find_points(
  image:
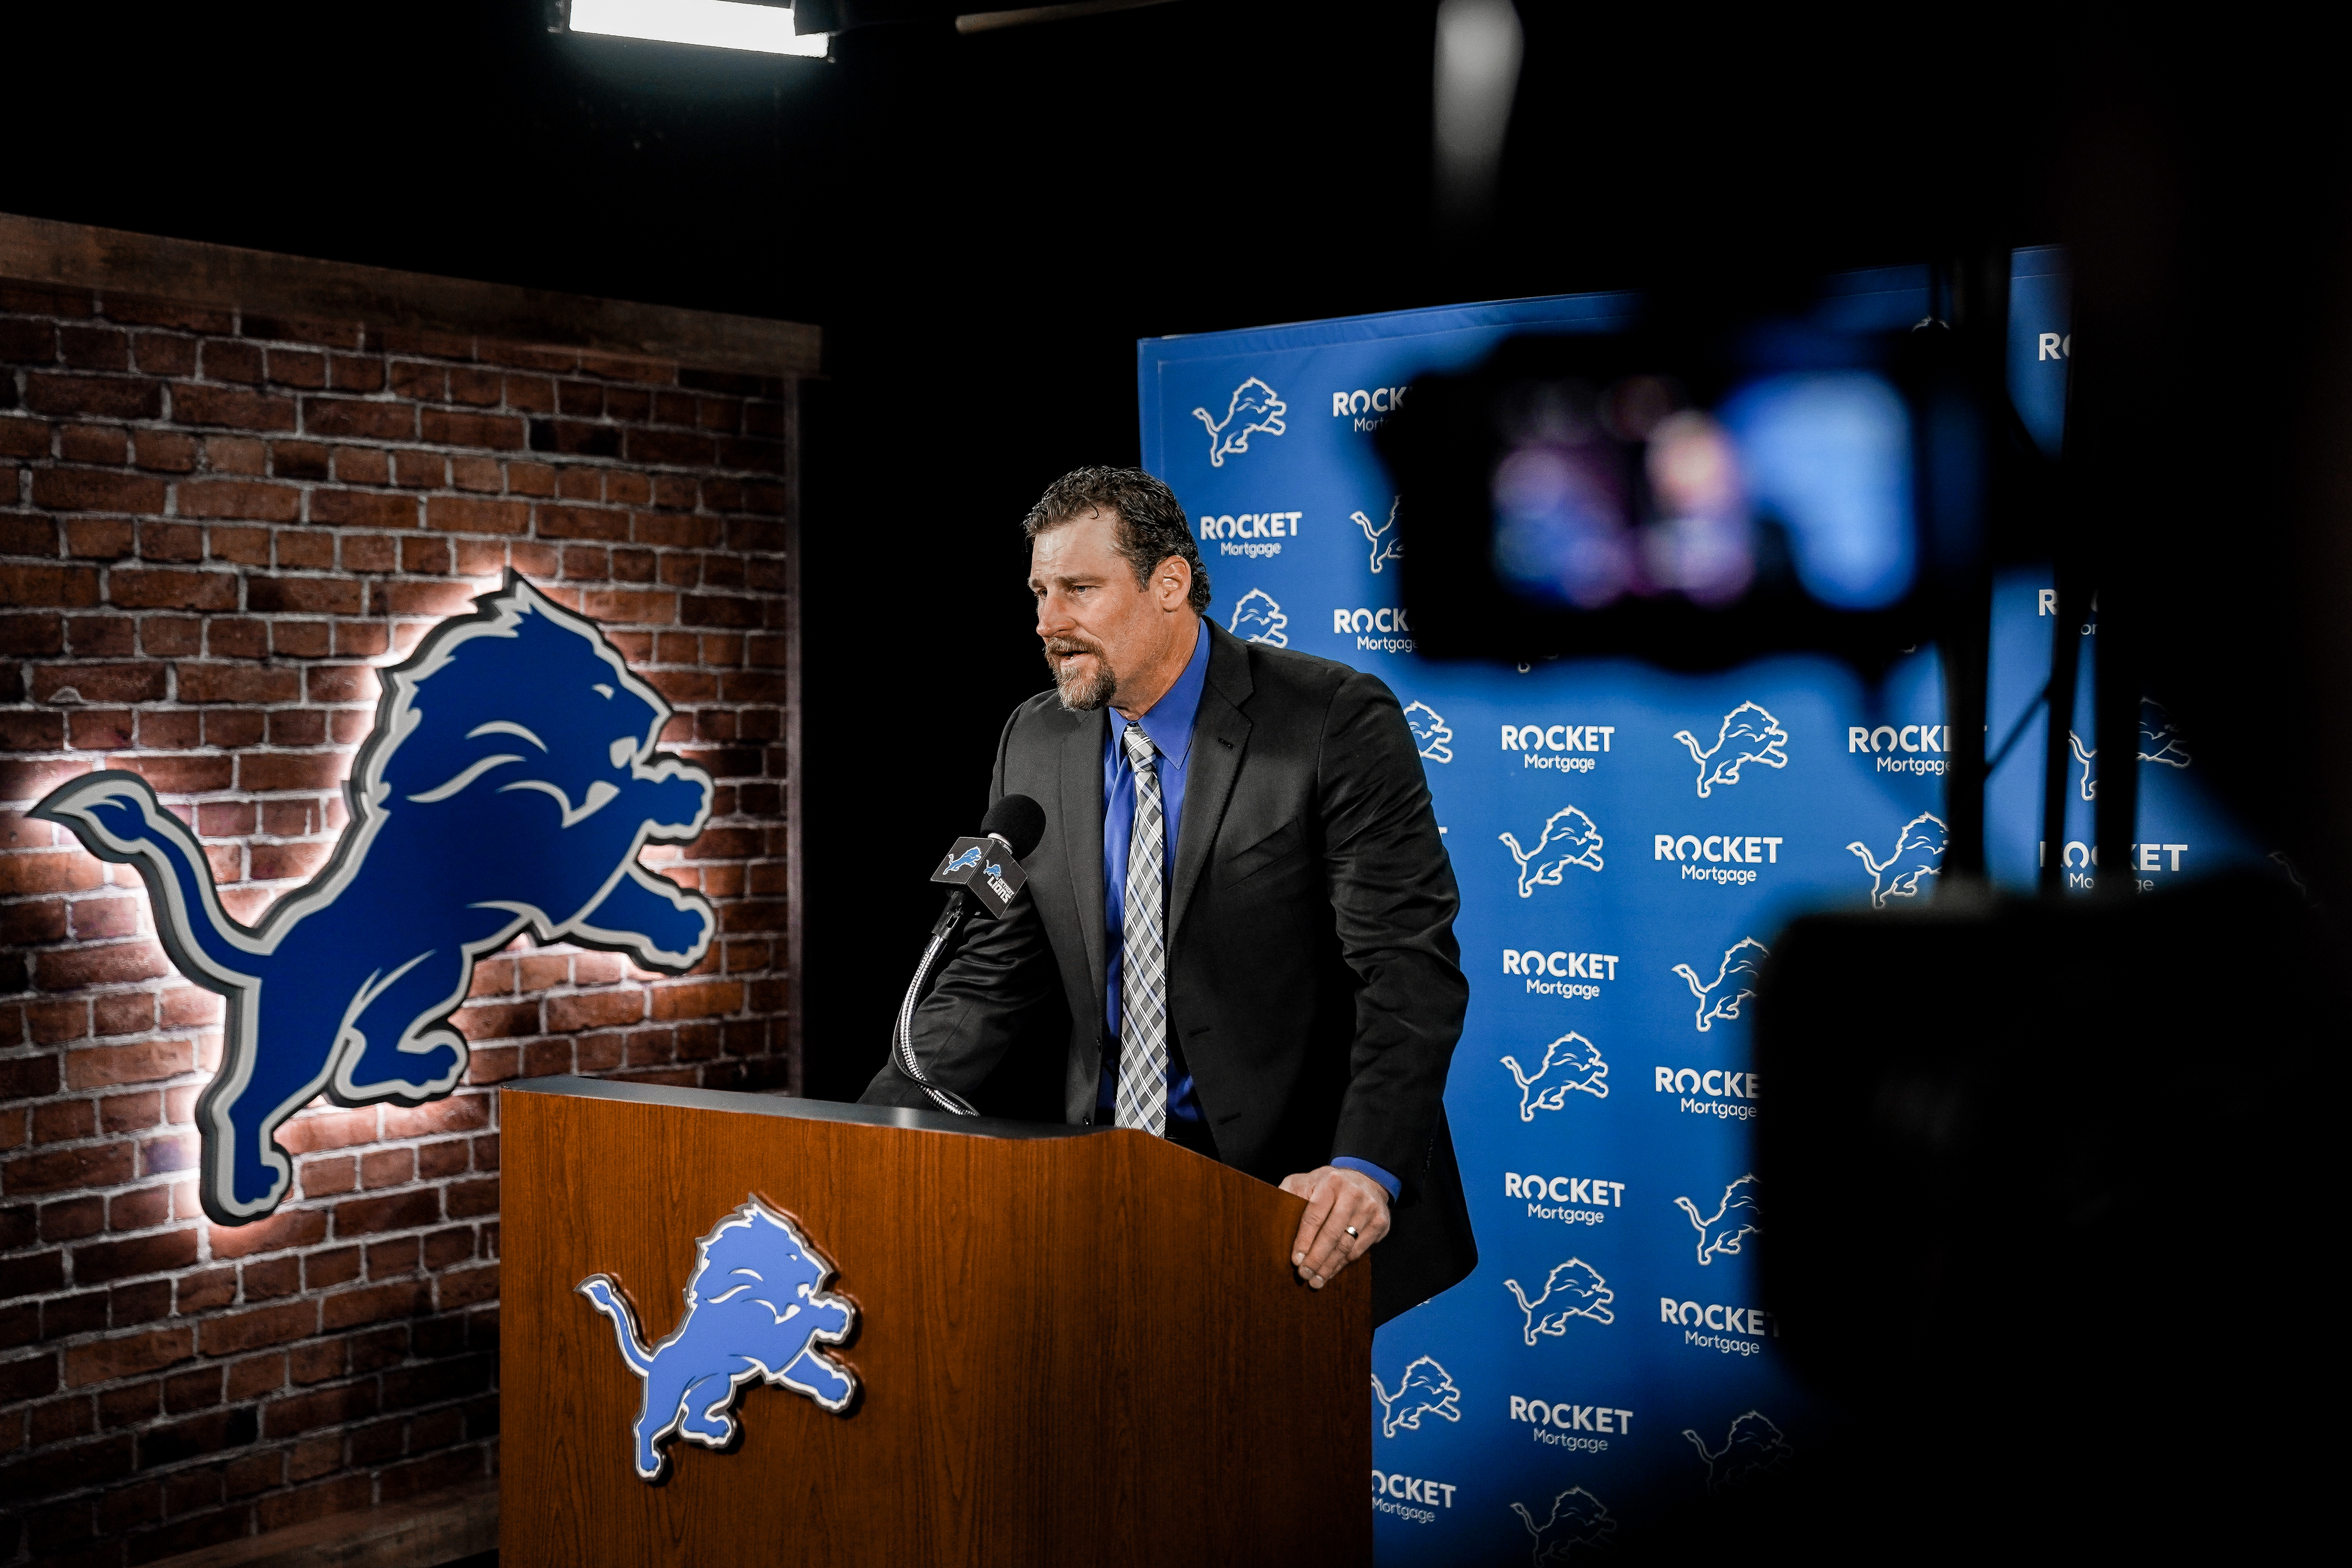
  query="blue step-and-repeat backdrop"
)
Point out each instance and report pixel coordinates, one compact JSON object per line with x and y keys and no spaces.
{"x":1627,"y":843}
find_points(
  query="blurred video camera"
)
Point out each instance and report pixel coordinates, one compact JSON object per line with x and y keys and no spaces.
{"x":1978,"y":1099}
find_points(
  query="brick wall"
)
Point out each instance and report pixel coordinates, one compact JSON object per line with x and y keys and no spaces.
{"x":214,"y":525}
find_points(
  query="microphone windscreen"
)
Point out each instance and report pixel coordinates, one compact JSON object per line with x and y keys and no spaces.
{"x":1019,"y":820}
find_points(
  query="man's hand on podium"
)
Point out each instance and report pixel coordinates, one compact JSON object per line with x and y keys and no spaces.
{"x":1336,"y":1199}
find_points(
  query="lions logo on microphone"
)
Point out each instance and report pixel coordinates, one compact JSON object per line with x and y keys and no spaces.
{"x":508,"y":786}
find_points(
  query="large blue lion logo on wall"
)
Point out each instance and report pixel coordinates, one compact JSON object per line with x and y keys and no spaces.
{"x":756,"y":1310}
{"x":508,"y":786}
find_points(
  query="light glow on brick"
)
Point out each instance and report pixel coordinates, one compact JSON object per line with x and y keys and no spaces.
{"x":713,"y":24}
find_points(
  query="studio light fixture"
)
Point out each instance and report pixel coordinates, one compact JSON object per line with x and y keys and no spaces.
{"x":1030,"y":16}
{"x":767,"y":26}
{"x":1478,"y":47}
{"x":713,"y":23}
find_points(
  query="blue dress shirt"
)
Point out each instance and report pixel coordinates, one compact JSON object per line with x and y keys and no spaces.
{"x":1169,"y":723}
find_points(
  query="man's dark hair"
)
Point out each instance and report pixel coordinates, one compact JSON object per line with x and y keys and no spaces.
{"x":1151,"y":523}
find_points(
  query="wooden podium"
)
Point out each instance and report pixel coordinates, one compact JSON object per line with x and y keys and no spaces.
{"x":1072,"y":1345}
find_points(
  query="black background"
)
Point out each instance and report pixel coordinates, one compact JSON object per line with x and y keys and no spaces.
{"x":984,"y":226}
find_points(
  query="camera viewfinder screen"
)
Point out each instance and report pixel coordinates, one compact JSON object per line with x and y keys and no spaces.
{"x":1630,"y":488}
{"x":1693,"y":498}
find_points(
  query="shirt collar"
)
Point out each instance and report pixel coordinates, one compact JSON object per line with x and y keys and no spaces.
{"x":1169,"y":722}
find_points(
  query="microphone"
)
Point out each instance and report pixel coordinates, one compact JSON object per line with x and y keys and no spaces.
{"x":988,"y":867}
{"x":985,"y":872}
{"x":1016,"y":821}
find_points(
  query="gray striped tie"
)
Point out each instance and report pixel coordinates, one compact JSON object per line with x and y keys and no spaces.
{"x":1144,"y":980}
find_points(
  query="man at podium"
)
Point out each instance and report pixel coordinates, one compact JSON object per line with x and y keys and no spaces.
{"x":1238,"y":928}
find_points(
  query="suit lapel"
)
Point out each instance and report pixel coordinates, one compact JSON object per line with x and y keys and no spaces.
{"x":1082,"y":824}
{"x":1220,"y":737}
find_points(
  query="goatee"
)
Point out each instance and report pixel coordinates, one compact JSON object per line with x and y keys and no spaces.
{"x":1079,"y":694}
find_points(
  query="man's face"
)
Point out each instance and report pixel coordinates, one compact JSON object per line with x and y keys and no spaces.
{"x":1093,"y":616}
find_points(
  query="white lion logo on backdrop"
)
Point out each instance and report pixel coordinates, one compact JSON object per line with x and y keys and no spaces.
{"x":1257,"y":618}
{"x":1425,"y":1389}
{"x":1738,"y":1215}
{"x":1754,"y":1446}
{"x":1255,"y":406}
{"x":1574,"y":1290}
{"x":1749,"y":734}
{"x":1430,"y":738}
{"x":1735,"y":981}
{"x":1569,"y":838}
{"x":1577,"y":1518}
{"x":2159,"y":741}
{"x":1382,"y":536}
{"x":1570,"y":1063}
{"x":1918,"y":854}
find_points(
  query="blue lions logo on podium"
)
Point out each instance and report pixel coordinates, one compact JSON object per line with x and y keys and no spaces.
{"x":756,"y":1310}
{"x":510,"y":783}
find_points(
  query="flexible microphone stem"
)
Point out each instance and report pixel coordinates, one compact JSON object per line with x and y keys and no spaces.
{"x":943,"y":933}
{"x":1014,"y":823}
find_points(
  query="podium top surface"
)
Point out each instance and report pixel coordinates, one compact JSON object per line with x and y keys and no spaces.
{"x":735,"y":1102}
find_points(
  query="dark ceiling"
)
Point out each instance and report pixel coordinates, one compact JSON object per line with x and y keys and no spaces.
{"x":983,"y":225}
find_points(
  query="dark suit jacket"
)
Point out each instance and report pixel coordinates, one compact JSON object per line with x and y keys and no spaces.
{"x":1314,"y":985}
